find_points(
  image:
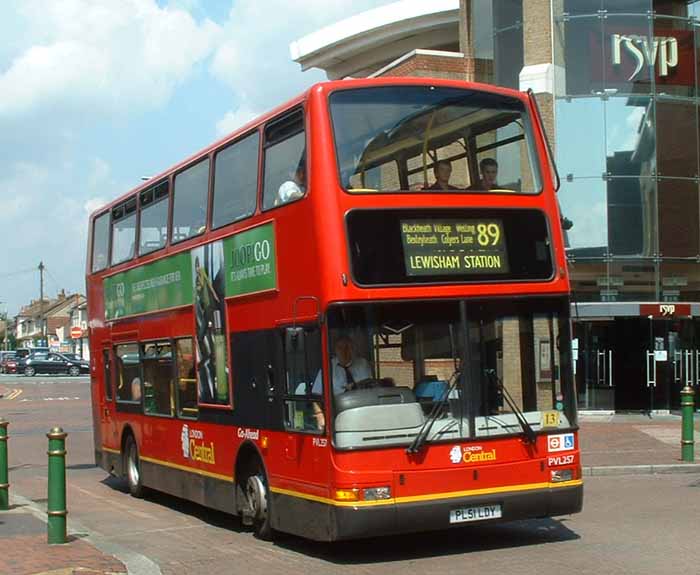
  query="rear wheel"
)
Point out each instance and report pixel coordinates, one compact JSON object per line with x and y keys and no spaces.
{"x":29,"y":370}
{"x":256,"y":501}
{"x":132,"y":467}
{"x":74,"y":370}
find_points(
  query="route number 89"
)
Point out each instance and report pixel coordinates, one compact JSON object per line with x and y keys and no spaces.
{"x":488,"y":234}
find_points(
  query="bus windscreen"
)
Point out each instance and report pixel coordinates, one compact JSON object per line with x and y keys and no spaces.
{"x":433,"y":139}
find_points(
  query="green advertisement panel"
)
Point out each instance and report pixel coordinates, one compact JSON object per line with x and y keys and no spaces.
{"x":251,"y":261}
{"x":160,"y":285}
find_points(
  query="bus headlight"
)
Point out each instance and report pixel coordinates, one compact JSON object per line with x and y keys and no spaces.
{"x":376,"y":493}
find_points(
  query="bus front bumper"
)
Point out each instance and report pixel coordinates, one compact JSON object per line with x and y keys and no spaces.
{"x":405,"y":517}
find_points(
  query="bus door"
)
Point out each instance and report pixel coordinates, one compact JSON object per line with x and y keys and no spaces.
{"x":306,"y":441}
{"x":107,"y":428}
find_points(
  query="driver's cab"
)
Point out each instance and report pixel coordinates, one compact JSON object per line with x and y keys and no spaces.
{"x":443,"y":370}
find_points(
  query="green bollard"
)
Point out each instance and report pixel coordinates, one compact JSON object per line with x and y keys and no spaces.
{"x":4,"y":477}
{"x":687,"y":443}
{"x":57,"y":486}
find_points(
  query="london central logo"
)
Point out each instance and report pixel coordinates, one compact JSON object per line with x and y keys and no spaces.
{"x":661,"y":50}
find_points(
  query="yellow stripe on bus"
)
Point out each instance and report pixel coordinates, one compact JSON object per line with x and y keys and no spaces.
{"x":392,"y":501}
{"x":228,"y":478}
{"x":429,"y":496}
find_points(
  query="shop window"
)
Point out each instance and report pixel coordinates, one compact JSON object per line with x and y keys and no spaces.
{"x":124,"y":231}
{"x":679,"y":220}
{"x":157,"y":366}
{"x":632,"y":216}
{"x":581,"y":40}
{"x":128,"y":372}
{"x":580,"y":157}
{"x":630,"y":137}
{"x":590,"y":280}
{"x":236,"y":181}
{"x":153,"y":227}
{"x":100,"y":242}
{"x":190,"y":201}
{"x":680,"y":280}
{"x":585,"y":203}
{"x":677,"y":137}
{"x":634,"y":280}
{"x":626,"y":55}
{"x":186,"y":378}
{"x":576,"y":7}
{"x":675,"y":66}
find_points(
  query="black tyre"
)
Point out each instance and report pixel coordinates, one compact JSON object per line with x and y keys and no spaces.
{"x":29,"y":371}
{"x":132,"y":467}
{"x":74,"y":370}
{"x":256,"y":502}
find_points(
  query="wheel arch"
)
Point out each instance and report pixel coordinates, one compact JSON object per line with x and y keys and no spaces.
{"x":247,"y":454}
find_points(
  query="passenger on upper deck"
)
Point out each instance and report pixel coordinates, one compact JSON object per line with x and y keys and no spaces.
{"x":296,"y":187}
{"x":348,"y":370}
{"x":442,"y":170}
{"x":489,"y":172}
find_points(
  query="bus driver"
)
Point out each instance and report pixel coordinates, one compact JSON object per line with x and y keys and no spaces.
{"x":347,"y":368}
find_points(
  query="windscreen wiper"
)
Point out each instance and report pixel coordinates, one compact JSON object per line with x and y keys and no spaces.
{"x":435,"y":412}
{"x":519,"y":415}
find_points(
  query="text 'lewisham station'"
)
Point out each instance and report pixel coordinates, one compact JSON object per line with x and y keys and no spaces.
{"x":454,"y":247}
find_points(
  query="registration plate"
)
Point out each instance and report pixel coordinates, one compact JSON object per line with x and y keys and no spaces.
{"x":480,"y":513}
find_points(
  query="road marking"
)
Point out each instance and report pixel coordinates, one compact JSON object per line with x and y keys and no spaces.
{"x":15,"y":393}
{"x":52,"y":399}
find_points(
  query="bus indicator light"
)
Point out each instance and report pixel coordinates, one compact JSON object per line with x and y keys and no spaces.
{"x":347,"y":494}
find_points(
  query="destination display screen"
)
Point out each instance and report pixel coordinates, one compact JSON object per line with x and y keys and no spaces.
{"x":399,"y":246}
{"x":454,"y":247}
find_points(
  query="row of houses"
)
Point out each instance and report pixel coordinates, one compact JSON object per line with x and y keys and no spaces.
{"x":59,"y":323}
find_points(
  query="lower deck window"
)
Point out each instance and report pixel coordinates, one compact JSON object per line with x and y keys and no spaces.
{"x":128,"y":372}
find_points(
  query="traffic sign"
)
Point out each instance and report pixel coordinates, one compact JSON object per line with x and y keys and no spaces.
{"x":76,"y":332}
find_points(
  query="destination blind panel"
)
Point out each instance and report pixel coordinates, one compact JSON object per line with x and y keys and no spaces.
{"x":454,"y":247}
{"x":440,"y":246}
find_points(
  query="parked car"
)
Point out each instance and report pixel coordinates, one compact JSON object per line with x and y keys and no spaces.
{"x":52,"y":363}
{"x":23,"y":352}
{"x":8,"y":363}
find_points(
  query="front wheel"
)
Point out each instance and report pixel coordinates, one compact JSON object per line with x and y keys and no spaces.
{"x":256,"y":504}
{"x":132,"y":466}
{"x":29,"y":371}
{"x":74,"y":370}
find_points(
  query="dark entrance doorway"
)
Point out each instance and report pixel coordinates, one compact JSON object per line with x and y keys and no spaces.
{"x":635,"y":363}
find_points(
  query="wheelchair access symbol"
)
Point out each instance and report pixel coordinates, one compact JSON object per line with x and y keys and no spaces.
{"x":560,"y":442}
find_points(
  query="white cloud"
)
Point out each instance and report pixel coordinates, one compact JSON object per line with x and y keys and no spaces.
{"x":103,"y":55}
{"x":254,"y":56}
{"x":234,"y":119}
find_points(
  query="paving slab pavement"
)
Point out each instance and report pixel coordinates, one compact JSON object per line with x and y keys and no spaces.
{"x":26,"y":551}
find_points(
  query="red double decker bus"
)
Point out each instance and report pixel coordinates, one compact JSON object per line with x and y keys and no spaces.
{"x":348,"y":318}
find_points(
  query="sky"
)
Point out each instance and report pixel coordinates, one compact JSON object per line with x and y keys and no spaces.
{"x":96,"y":94}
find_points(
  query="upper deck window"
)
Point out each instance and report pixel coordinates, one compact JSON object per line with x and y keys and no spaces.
{"x":100,"y":242}
{"x":236,"y":181}
{"x":124,"y":231}
{"x":285,"y":161}
{"x":426,"y":138}
{"x":153,"y":230}
{"x":191,"y":192}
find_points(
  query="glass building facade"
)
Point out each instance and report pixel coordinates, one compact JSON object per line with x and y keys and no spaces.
{"x":625,"y":104}
{"x":627,"y":147}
